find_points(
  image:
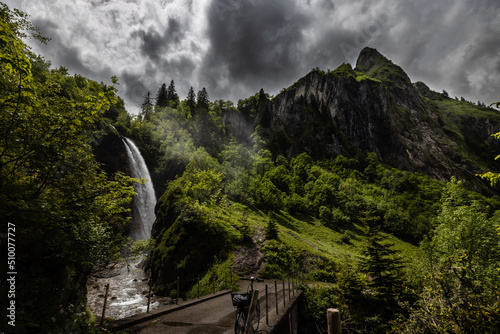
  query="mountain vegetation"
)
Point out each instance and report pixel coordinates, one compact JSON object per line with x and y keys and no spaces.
{"x":356,"y":179}
{"x":368,"y":230}
{"x":347,"y":176}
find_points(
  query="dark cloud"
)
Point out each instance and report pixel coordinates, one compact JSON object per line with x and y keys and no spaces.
{"x":452,"y":46}
{"x":46,"y":27}
{"x":156,"y":44}
{"x":135,"y":90}
{"x":257,"y":43}
{"x":153,"y":43}
{"x":235,"y":47}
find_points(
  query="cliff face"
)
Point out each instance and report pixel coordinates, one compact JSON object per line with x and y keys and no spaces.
{"x":111,"y":153}
{"x":376,"y":108}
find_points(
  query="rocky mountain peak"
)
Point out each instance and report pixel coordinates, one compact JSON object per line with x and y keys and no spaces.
{"x":375,"y":65}
{"x":369,"y":57}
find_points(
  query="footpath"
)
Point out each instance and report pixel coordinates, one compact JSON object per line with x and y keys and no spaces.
{"x":212,"y":314}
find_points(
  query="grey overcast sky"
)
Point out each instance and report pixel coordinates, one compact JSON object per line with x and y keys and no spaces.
{"x":235,"y":47}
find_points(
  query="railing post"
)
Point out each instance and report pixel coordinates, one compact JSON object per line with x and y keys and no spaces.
{"x":149,"y":295}
{"x":177,"y":296}
{"x":333,"y":320}
{"x":198,"y":286}
{"x":289,"y":293}
{"x":276,"y":295}
{"x":267,"y":308}
{"x":284,"y":294}
{"x":104,"y":306}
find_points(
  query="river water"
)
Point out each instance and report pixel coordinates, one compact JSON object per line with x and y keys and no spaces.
{"x":127,"y":295}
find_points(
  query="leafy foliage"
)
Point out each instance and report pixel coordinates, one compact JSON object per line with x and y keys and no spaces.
{"x":68,"y":213}
{"x":460,"y":290}
{"x":492,"y":177}
{"x":282,"y":260}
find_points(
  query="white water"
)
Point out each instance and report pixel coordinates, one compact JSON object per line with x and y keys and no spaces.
{"x":128,"y":290}
{"x":143,"y":215}
{"x":127,"y":295}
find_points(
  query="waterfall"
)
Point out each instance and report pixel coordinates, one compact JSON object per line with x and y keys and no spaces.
{"x":128,"y":285}
{"x":144,"y":202}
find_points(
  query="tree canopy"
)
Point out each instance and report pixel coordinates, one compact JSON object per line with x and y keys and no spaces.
{"x":67,"y":212}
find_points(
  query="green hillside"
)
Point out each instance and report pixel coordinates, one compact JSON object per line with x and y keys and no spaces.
{"x":328,"y":215}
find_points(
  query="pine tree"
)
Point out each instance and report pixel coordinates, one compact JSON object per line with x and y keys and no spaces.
{"x":246,"y":230}
{"x":162,"y":96}
{"x":147,"y":106}
{"x":202,"y":100}
{"x":382,"y":263}
{"x":384,"y":269}
{"x":191,"y":100}
{"x":172,"y":97}
{"x":271,"y":230}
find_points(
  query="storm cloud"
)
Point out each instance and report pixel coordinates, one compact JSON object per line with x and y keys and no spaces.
{"x":235,"y":47}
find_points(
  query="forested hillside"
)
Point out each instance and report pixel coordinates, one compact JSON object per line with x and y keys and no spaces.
{"x":388,"y":242}
{"x":358,"y":179}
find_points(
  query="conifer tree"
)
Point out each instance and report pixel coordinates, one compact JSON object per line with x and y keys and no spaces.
{"x":191,"y":100}
{"x":172,"y":97}
{"x":246,"y":230}
{"x":382,"y":263}
{"x":162,"y":96}
{"x":384,"y":269}
{"x":147,"y":106}
{"x":202,"y":100}
{"x":271,"y":230}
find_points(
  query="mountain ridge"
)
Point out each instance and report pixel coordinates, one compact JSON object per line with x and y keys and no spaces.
{"x":375,"y":107}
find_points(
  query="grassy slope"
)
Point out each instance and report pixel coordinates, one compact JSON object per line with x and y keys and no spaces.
{"x":310,"y":236}
{"x":458,"y":118}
